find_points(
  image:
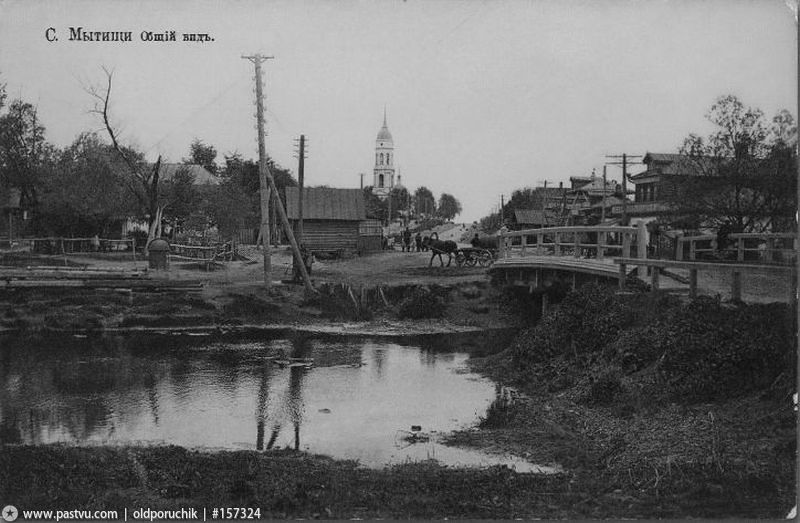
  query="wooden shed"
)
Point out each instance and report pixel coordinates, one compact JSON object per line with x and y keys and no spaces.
{"x":331,"y":217}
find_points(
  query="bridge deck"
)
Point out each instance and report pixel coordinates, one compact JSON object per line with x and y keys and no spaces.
{"x":604,"y":267}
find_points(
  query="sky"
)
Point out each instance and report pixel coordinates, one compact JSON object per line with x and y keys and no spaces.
{"x":482,"y":97}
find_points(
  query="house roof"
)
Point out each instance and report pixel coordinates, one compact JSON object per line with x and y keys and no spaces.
{"x":595,"y":188}
{"x":609,"y":201}
{"x":675,"y":164}
{"x":202,"y":176}
{"x":534,"y":217}
{"x":325,"y":203}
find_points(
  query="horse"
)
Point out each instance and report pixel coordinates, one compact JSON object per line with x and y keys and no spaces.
{"x":439,"y":247}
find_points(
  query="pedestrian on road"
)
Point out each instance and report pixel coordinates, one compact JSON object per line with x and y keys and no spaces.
{"x":418,"y":241}
{"x":406,"y":240}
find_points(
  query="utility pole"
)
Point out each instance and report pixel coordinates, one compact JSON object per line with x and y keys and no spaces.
{"x":362,"y":180}
{"x":264,"y":188}
{"x":603,"y":208}
{"x":301,"y":156}
{"x":624,"y":164}
{"x":502,"y":211}
{"x":266,"y":182}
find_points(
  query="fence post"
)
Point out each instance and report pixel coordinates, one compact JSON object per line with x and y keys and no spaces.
{"x":576,"y":239}
{"x":622,"y":275}
{"x":693,"y":283}
{"x":539,"y":240}
{"x":502,"y":245}
{"x":523,"y":243}
{"x":692,"y":251}
{"x":740,"y":249}
{"x":626,"y":244}
{"x":558,"y":244}
{"x":653,"y":277}
{"x":679,"y":249}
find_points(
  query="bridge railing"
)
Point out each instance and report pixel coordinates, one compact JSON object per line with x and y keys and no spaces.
{"x":770,"y":248}
{"x":579,"y":242}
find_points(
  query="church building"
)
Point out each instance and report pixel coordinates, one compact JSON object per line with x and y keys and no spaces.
{"x":383,"y":173}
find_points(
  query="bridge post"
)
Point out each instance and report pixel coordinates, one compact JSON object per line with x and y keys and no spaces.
{"x":539,"y":241}
{"x":576,"y":239}
{"x":654,"y":277}
{"x":524,"y":243}
{"x":557,"y":251}
{"x":641,"y":248}
{"x":736,"y":286}
{"x":601,"y":240}
{"x":626,"y":244}
{"x":693,"y":283}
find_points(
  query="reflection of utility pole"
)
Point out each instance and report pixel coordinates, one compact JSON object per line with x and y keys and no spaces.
{"x":624,"y":164}
{"x":257,"y":59}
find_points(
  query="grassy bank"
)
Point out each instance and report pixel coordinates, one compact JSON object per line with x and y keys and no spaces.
{"x":471,"y":304}
{"x":682,"y":407}
{"x":283,"y":484}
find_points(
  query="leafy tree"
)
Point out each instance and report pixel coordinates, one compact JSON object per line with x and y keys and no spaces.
{"x":424,"y":201}
{"x":179,"y":197}
{"x":375,"y":208}
{"x":202,"y":154}
{"x":24,"y":153}
{"x":449,"y":207}
{"x":400,"y":201}
{"x":84,"y":194}
{"x":745,"y":172}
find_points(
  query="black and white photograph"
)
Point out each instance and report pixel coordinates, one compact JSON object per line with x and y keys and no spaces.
{"x":398,"y":259}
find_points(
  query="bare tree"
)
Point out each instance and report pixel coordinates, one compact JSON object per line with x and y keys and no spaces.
{"x":143,"y":179}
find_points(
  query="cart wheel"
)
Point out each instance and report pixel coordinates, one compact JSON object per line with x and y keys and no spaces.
{"x":485,"y":259}
{"x":460,"y":259}
{"x":472,"y":261}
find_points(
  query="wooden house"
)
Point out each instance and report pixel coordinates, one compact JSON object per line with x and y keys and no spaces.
{"x":331,"y":217}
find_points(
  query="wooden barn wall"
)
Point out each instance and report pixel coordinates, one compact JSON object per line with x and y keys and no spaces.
{"x":330,"y":235}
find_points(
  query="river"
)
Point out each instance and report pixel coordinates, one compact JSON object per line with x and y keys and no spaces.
{"x":377,"y":401}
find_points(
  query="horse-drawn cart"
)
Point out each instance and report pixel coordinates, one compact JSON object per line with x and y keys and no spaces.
{"x":471,"y":256}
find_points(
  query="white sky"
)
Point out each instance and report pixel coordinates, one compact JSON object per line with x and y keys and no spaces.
{"x":483,"y":97}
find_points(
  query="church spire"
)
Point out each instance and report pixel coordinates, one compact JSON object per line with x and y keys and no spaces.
{"x":384,"y":115}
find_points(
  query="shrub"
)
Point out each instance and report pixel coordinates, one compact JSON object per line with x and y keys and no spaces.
{"x":422,"y":303}
{"x":605,"y":388}
{"x":714,"y":351}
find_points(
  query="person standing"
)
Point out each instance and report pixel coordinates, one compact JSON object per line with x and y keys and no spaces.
{"x":418,"y":241}
{"x":406,"y":240}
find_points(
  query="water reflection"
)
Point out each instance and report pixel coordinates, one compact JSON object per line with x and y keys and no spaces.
{"x":218,"y":394}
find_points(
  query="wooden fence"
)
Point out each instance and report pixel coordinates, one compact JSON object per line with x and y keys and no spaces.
{"x":766,"y":248}
{"x":579,"y":242}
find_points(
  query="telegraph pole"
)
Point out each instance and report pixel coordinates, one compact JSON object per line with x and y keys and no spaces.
{"x":264,"y":188}
{"x":266,"y":182}
{"x":301,"y":156}
{"x":603,"y":208}
{"x":624,"y":164}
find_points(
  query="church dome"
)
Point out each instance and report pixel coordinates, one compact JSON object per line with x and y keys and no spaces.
{"x":384,"y":135}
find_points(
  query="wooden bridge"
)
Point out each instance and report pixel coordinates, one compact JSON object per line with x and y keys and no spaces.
{"x":558,"y":257}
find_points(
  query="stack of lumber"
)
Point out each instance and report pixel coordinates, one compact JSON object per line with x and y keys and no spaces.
{"x":90,"y":278}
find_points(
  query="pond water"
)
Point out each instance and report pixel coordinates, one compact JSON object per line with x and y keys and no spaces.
{"x":359,"y":399}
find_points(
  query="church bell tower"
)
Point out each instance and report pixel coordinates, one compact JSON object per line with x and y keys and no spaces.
{"x":383,"y":172}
